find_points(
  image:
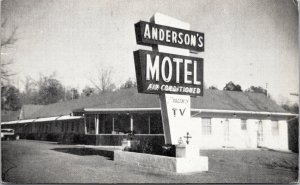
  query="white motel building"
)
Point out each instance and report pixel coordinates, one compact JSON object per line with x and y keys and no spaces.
{"x":221,"y":119}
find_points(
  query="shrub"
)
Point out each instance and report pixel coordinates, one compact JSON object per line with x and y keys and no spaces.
{"x":169,"y":150}
{"x":153,"y":148}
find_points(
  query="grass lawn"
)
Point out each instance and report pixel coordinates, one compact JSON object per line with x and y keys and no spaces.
{"x":27,"y":161}
{"x":263,"y":158}
{"x":264,"y":166}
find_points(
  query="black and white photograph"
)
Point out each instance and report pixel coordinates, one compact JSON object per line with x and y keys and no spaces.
{"x":149,"y":91}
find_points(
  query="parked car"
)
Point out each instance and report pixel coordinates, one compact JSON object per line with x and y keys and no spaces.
{"x":8,"y":134}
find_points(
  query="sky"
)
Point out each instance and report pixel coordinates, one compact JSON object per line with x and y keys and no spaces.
{"x":249,"y":42}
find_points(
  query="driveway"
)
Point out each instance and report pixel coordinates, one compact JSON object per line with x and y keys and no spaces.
{"x":26,"y":161}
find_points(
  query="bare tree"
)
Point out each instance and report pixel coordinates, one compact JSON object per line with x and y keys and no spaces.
{"x":6,"y":42}
{"x":103,"y":82}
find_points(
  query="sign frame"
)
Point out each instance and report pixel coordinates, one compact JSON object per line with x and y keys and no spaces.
{"x":140,"y":31}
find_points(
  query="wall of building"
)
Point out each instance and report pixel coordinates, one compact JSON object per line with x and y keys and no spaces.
{"x":277,"y":141}
{"x":234,"y":136}
{"x":147,"y":125}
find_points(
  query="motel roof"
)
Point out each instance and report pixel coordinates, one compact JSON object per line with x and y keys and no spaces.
{"x":130,"y":99}
{"x":38,"y":120}
{"x":29,"y":109}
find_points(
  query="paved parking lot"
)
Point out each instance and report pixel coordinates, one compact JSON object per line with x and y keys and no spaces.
{"x":27,"y":161}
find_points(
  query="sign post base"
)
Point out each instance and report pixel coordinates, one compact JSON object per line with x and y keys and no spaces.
{"x":188,"y":159}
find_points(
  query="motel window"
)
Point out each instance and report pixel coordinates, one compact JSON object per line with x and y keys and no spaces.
{"x":156,"y":125}
{"x":105,"y":124}
{"x":90,"y":123}
{"x":45,"y":127}
{"x":275,"y":128}
{"x":48,"y":127}
{"x":51,"y":127}
{"x":244,"y":124}
{"x":73,"y":126}
{"x":141,"y":123}
{"x":122,"y":123}
{"x":70,"y":126}
{"x":206,"y":126}
{"x":67,"y":126}
{"x":25,"y":127}
{"x":62,"y":126}
{"x":77,"y":125}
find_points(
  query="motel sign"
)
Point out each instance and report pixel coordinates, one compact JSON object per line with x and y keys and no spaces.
{"x":154,"y":34}
{"x":169,"y":71}
{"x":158,"y":72}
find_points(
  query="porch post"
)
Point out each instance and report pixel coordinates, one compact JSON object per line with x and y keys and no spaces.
{"x":97,"y":124}
{"x":113,"y":124}
{"x":149,"y":128}
{"x":84,"y":124}
{"x":131,"y":122}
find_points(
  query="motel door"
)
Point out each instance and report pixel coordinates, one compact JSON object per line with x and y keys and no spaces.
{"x":259,"y":134}
{"x":226,"y":133}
